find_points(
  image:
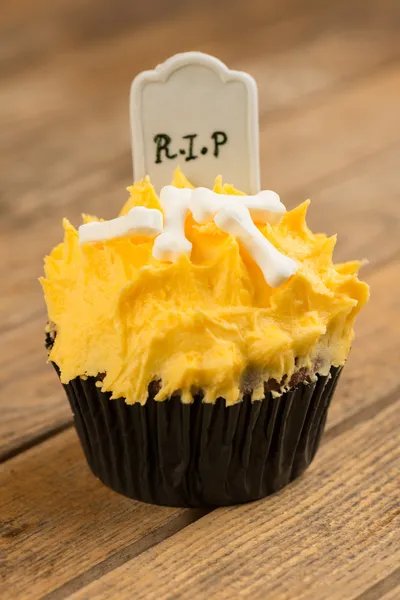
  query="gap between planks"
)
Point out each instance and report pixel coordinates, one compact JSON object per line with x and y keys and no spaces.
{"x":41,"y":437}
{"x":315,"y":98}
{"x":379,"y":590}
{"x":127,"y":553}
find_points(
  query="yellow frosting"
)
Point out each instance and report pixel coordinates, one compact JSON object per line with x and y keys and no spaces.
{"x":208,"y":322}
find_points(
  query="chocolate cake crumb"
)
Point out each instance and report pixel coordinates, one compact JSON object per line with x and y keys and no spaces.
{"x":197,"y":393}
{"x":300,"y":376}
{"x":51,"y":334}
{"x":250,"y":380}
{"x":154,"y":387}
{"x":272,"y":385}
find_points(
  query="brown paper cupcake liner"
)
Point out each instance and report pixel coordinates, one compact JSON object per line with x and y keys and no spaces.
{"x":200,"y":454}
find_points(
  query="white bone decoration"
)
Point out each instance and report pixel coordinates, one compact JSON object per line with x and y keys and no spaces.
{"x":172,"y":242}
{"x":275,"y":266}
{"x":139,"y":221}
{"x":235,"y":215}
{"x":264,"y":207}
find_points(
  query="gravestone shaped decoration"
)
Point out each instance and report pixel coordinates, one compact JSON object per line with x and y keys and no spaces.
{"x":194,"y":112}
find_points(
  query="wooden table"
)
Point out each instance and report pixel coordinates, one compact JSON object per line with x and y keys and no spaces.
{"x":329,"y":81}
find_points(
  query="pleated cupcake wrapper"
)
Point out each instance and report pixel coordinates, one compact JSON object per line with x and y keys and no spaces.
{"x":200,"y":454}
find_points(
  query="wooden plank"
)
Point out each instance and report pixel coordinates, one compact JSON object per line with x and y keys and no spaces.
{"x":58,"y":520}
{"x":330,"y":535}
{"x":362,"y":206}
{"x":318,"y":65}
{"x":56,"y":28}
{"x":319,"y":141}
{"x":391,"y":595}
{"x":33,"y":402}
{"x":71,"y":24}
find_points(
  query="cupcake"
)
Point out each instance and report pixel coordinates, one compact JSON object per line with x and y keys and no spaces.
{"x":199,"y":337}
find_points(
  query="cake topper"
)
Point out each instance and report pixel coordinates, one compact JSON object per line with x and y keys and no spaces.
{"x":195,"y":112}
{"x":172,"y":242}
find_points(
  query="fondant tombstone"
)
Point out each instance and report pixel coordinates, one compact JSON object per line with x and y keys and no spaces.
{"x":194,"y":112}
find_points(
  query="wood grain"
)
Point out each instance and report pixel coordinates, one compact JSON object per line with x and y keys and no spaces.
{"x":363,"y":208}
{"x":58,"y":520}
{"x":348,"y":126}
{"x":74,"y":25}
{"x":331,"y":534}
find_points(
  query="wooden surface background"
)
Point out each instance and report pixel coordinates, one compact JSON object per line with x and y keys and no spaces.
{"x":329,"y":81}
